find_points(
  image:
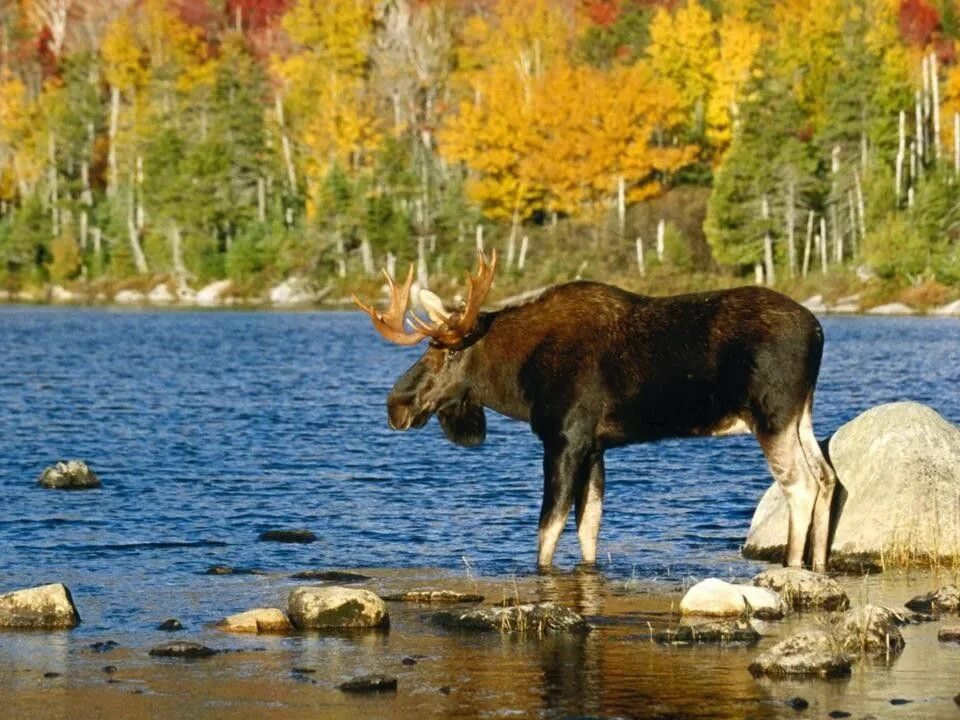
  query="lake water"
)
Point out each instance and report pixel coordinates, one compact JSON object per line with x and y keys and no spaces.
{"x":208,"y":428}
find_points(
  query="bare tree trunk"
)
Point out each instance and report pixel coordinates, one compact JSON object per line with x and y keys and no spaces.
{"x":861,"y":207}
{"x":176,"y":253}
{"x":285,"y":144}
{"x":261,"y":200}
{"x":54,"y":185}
{"x":823,"y":245}
{"x":422,"y":275}
{"x":641,"y":263}
{"x":97,"y":236}
{"x":512,"y":239}
{"x":524,"y":245}
{"x":920,"y":142}
{"x":661,"y":239}
{"x":769,"y":271}
{"x":621,"y":207}
{"x":139,"y":259}
{"x":479,"y":237}
{"x":807,"y":245}
{"x":113,"y":180}
{"x":391,"y":264}
{"x":791,"y":230}
{"x":935,"y":101}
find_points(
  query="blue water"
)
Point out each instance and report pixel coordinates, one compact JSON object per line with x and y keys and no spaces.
{"x":208,"y":428}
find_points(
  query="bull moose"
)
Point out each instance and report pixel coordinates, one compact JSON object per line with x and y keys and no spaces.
{"x":592,"y":367}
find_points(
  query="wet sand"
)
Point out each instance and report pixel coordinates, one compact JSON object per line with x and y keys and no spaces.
{"x":613,"y":671}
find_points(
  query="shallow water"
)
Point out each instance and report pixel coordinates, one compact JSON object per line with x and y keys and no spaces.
{"x":208,"y":428}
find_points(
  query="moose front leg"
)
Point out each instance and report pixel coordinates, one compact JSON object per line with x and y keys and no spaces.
{"x":563,"y":462}
{"x":589,"y":505}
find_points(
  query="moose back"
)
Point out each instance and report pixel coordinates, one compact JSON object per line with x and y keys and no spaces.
{"x":592,"y":367}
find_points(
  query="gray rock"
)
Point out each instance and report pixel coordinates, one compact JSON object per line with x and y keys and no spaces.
{"x":532,"y":618}
{"x":434,"y":596}
{"x":949,"y":634}
{"x":70,"y":475}
{"x":370,"y":684}
{"x":48,"y":607}
{"x":899,"y":468}
{"x":336,"y":607}
{"x":941,"y":600}
{"x":288,"y":536}
{"x":170,"y":625}
{"x":869,"y":630}
{"x":803,"y":589}
{"x":182,"y":650}
{"x":718,"y":632}
{"x":815,"y":653}
{"x":258,"y":620}
{"x":331,"y":576}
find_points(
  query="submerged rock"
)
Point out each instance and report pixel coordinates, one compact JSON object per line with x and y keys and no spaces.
{"x":949,"y":634}
{"x":370,"y":684}
{"x":870,"y":630}
{"x":258,"y":620}
{"x":47,"y":607}
{"x":899,"y":471}
{"x":803,"y":589}
{"x":331,"y":576}
{"x":941,"y":600}
{"x":717,"y":598}
{"x":336,"y":607}
{"x":434,"y":596}
{"x":230,"y":570}
{"x":814,"y":653}
{"x":170,"y":625}
{"x":183,"y":650}
{"x":70,"y":475}
{"x":288,"y":536}
{"x":720,"y":632}
{"x":533,"y":618}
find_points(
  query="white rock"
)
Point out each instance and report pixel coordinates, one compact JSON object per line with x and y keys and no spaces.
{"x":161,"y":295}
{"x":48,"y":607}
{"x":763,"y":602}
{"x":815,"y":304}
{"x":846,"y":305}
{"x":336,"y":607}
{"x":186,"y":296}
{"x":258,"y":620}
{"x":212,"y":294}
{"x":949,"y":309}
{"x":714,"y":598}
{"x":892,"y":309}
{"x":61,"y":294}
{"x":292,"y":291}
{"x":129,"y":297}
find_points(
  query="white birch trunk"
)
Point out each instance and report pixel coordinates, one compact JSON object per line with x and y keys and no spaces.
{"x":621,"y":206}
{"x":139,"y":259}
{"x":807,"y":245}
{"x":285,"y":144}
{"x":479,"y":238}
{"x":935,"y":101}
{"x":641,"y":263}
{"x":422,"y":274}
{"x":366,"y":255}
{"x":524,"y":245}
{"x":791,"y":230}
{"x":661,"y":238}
{"x":823,"y":245}
{"x":113,"y":178}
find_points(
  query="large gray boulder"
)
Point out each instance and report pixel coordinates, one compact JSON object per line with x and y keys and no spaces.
{"x":899,"y":471}
{"x":48,"y":607}
{"x":336,"y":607}
{"x":813,"y":654}
{"x":869,"y":630}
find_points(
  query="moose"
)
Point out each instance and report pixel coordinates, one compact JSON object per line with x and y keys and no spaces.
{"x":591,"y":367}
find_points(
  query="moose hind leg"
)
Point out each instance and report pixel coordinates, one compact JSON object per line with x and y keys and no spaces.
{"x":787,"y":463}
{"x":589,"y":505}
{"x":826,"y":479}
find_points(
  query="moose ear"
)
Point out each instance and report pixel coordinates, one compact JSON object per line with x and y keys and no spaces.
{"x":464,"y":424}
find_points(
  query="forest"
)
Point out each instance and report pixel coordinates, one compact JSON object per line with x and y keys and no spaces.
{"x":660,"y":144}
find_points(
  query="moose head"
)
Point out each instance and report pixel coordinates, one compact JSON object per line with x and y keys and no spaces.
{"x":438,"y":383}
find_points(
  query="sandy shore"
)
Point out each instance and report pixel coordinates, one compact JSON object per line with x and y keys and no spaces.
{"x":613,"y":671}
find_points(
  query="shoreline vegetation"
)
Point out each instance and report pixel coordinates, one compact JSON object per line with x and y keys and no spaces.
{"x":163,"y":143}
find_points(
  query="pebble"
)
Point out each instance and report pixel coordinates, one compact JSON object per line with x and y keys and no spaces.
{"x":182,"y":650}
{"x":370,"y":684}
{"x":170,"y":625}
{"x":798,"y":703}
{"x":103,"y":646}
{"x":288,"y":536}
{"x":109,"y":669}
{"x":839,"y":714}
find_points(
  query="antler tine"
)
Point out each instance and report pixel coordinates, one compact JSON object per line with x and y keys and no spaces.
{"x":478,"y":287}
{"x":391,"y":325}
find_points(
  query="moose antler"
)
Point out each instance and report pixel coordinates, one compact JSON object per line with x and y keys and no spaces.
{"x":446,"y":331}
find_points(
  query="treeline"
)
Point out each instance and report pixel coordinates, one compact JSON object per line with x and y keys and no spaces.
{"x":257,"y":139}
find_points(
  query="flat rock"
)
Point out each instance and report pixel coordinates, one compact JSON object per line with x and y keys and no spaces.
{"x":718,"y":632}
{"x":331,"y":576}
{"x":869,"y":630}
{"x":899,"y":470}
{"x":47,"y":607}
{"x":70,"y":475}
{"x":942,"y":600}
{"x":212,"y":294}
{"x":808,"y":654}
{"x":183,"y":650}
{"x":532,"y":618}
{"x":258,"y":620}
{"x":434,"y":596}
{"x":288,"y":536}
{"x":949,"y":634}
{"x":948,"y":309}
{"x":896,"y":308}
{"x":334,"y":606}
{"x":802,"y":589}
{"x":370,"y":684}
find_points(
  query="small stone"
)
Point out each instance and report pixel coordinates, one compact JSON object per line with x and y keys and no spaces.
{"x":336,"y":607}
{"x":797,"y":703}
{"x":229,"y":570}
{"x":900,"y":701}
{"x":803,"y":589}
{"x":183,"y":650}
{"x":434,"y":596}
{"x":51,"y":674}
{"x":813,"y":653}
{"x":288,"y":536}
{"x":370,"y":684}
{"x":110,"y":669}
{"x":838,"y":714}
{"x":445,"y":690}
{"x":47,"y":607}
{"x":103,"y":646}
{"x":337,"y":576}
{"x":258,"y":620}
{"x":70,"y":475}
{"x":949,"y":634}
{"x":945,"y":599}
{"x":722,"y":632}
{"x":408,"y":661}
{"x":170,"y":625}
{"x":303,"y":671}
